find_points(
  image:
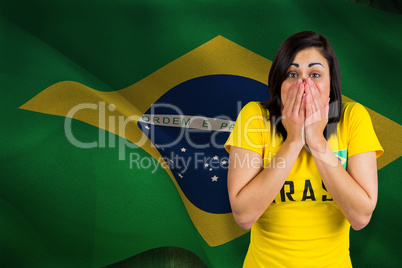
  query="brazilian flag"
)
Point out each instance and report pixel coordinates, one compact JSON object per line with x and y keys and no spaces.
{"x":114,"y":113}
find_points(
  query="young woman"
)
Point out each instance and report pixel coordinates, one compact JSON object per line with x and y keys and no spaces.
{"x":302,"y":165}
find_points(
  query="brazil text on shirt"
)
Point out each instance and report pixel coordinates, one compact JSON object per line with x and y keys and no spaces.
{"x":287,"y":192}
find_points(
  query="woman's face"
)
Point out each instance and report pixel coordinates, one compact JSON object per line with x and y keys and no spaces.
{"x":308,"y":63}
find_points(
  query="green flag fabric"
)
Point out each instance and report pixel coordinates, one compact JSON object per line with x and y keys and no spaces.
{"x":85,"y":204}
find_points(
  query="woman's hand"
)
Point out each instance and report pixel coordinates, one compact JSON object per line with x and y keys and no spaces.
{"x":293,"y":113}
{"x":316,"y":116}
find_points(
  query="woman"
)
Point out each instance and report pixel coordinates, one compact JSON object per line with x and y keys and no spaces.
{"x":302,"y":165}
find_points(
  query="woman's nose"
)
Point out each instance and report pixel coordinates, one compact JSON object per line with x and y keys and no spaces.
{"x":304,"y":79}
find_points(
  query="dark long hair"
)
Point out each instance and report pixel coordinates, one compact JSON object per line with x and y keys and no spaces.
{"x":283,"y":58}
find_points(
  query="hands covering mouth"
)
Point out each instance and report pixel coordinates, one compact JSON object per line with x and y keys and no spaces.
{"x":304,"y":115}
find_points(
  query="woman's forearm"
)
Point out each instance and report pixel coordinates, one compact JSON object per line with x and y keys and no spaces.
{"x":255,"y":197}
{"x":356,"y":203}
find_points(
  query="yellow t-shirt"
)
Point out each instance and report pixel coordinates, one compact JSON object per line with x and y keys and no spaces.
{"x":303,"y":227}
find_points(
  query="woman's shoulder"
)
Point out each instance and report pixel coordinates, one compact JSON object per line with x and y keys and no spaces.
{"x":255,"y":108}
{"x":253,"y":114}
{"x":353,"y":109}
{"x":351,"y":105}
{"x":253,"y":105}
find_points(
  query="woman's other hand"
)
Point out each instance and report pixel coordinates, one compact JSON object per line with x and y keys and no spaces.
{"x":293,"y":112}
{"x":316,"y":116}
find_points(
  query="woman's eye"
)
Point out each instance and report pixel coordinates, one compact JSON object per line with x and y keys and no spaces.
{"x":315,"y":75}
{"x":292,"y":75}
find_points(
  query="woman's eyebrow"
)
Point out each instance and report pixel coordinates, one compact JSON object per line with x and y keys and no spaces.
{"x":310,"y":65}
{"x":315,"y":63}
